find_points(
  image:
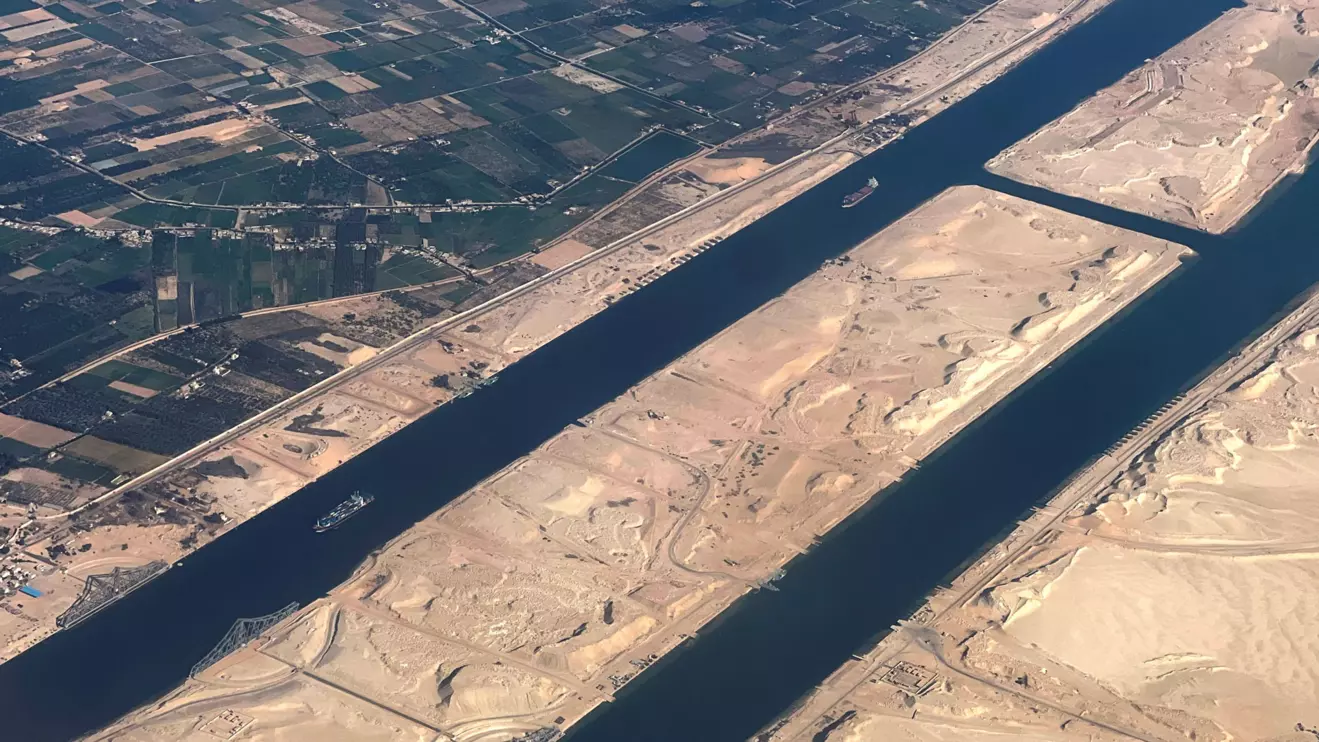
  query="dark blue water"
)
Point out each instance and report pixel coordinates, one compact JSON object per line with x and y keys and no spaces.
{"x":644,"y":159}
{"x":774,"y":646}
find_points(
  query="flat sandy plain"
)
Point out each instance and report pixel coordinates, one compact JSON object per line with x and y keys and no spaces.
{"x":531,"y":598}
{"x":1197,"y":136}
{"x":1169,"y":593}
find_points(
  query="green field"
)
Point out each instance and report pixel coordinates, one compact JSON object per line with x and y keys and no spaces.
{"x":144,"y":377}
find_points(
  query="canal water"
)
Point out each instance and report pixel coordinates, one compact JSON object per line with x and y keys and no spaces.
{"x":773,"y":647}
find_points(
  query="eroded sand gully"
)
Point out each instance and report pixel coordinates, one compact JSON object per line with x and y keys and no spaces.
{"x":1171,"y":592}
{"x":1197,"y":136}
{"x":531,"y":598}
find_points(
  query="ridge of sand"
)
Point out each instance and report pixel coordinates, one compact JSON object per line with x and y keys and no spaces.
{"x":1171,"y":590}
{"x":1197,"y":136}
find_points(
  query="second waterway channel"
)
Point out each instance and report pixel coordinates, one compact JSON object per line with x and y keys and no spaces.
{"x":772,"y":647}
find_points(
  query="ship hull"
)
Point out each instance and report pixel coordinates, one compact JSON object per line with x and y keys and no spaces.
{"x":853,"y":202}
{"x":323,"y":527}
{"x":343,"y":512}
{"x":856,"y":197}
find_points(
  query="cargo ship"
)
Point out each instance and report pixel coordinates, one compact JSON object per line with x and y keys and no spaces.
{"x":343,"y":511}
{"x":856,"y":197}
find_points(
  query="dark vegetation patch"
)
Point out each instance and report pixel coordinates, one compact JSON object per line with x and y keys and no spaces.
{"x":225,"y":467}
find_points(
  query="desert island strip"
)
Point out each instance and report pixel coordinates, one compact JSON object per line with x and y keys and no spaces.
{"x":528,"y":601}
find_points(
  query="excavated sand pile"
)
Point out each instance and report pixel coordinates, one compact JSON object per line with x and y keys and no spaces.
{"x":1197,"y":136}
{"x":1170,"y":594}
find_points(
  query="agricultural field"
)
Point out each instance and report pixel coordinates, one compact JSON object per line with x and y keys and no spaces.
{"x":742,"y":61}
{"x":35,"y":185}
{"x":72,"y":295}
{"x":186,"y":169}
{"x":507,"y":123}
{"x":146,"y":115}
{"x":66,"y":297}
{"x":124,"y":416}
{"x":187,"y":105}
{"x":217,"y":343}
{"x":480,"y":237}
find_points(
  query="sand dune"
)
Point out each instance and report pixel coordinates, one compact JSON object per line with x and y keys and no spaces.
{"x":1171,"y":594}
{"x":1197,"y":136}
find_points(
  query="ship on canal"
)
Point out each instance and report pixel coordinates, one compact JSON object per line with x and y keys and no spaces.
{"x":343,"y":511}
{"x":857,"y":196}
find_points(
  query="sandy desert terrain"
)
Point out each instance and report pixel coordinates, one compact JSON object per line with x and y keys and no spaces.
{"x":577,"y":566}
{"x":1169,"y":593}
{"x":251,"y":469}
{"x":1197,"y":136}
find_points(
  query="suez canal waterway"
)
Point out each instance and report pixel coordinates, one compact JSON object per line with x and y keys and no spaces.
{"x":773,"y":646}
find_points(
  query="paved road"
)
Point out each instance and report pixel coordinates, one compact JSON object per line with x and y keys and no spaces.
{"x":426,"y":335}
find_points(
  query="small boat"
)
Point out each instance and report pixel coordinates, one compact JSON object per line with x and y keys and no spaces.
{"x":857,"y":196}
{"x":343,"y":511}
